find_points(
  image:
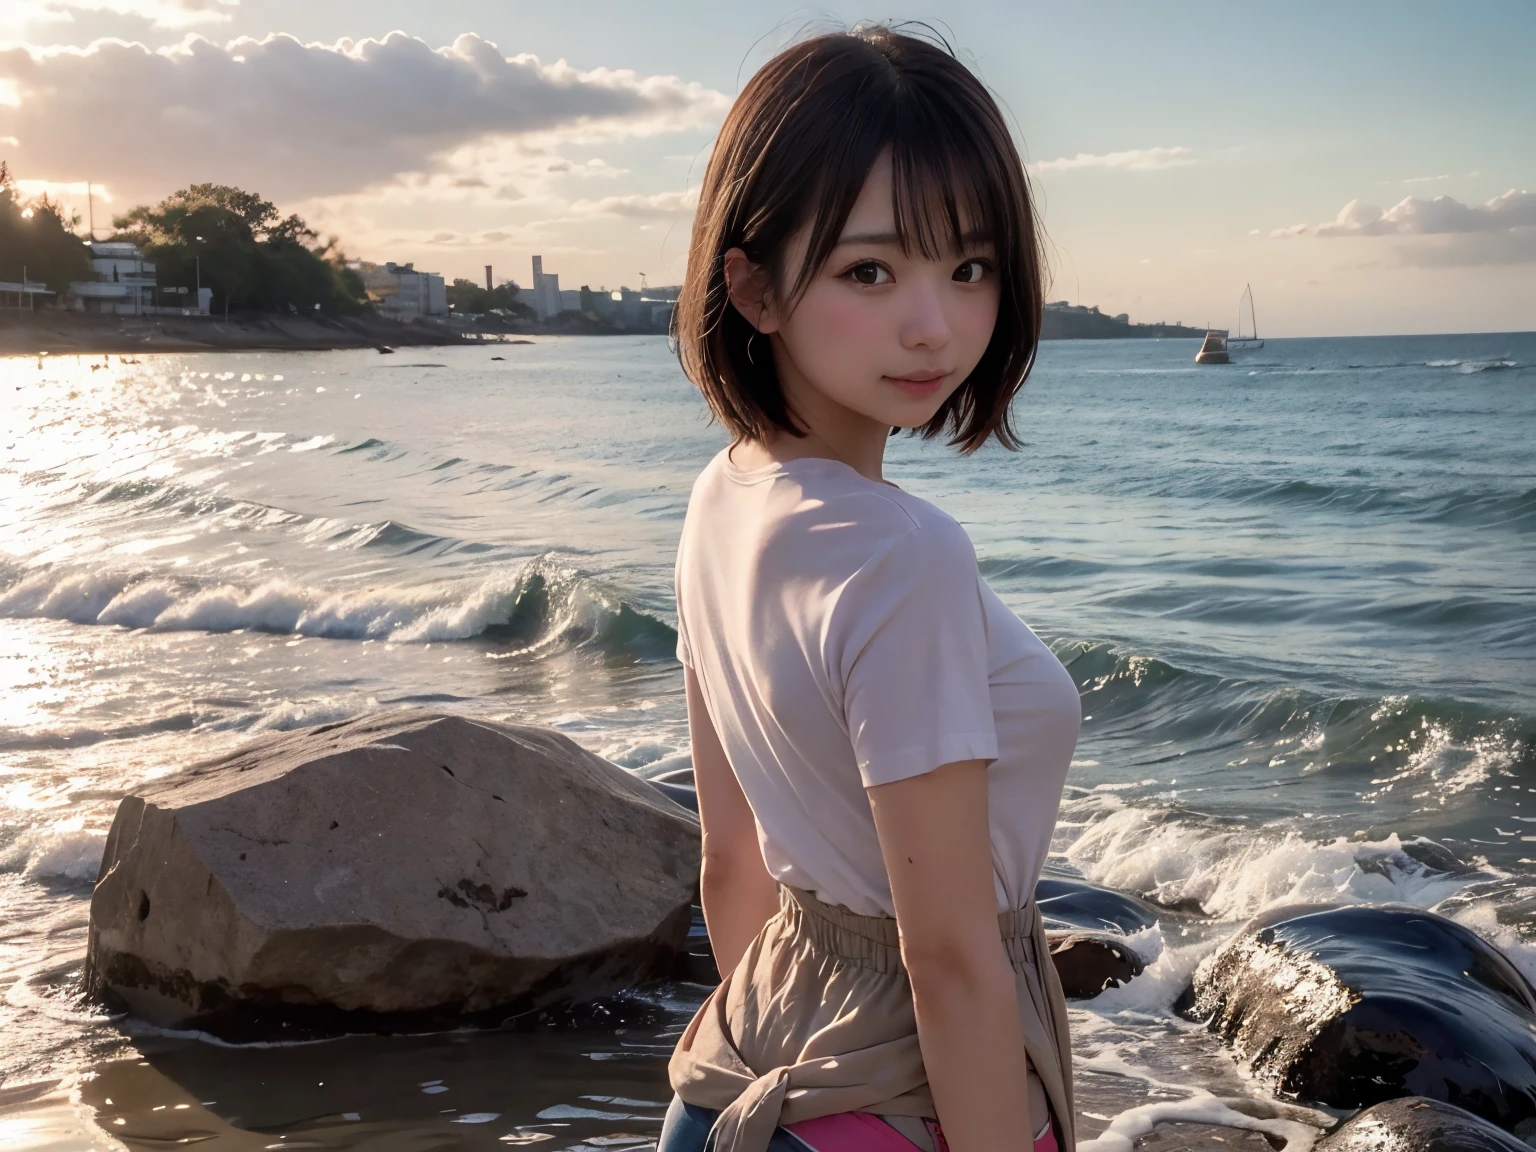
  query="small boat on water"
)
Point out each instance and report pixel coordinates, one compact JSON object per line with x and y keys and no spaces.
{"x":1213,"y":349}
{"x":1251,"y":342}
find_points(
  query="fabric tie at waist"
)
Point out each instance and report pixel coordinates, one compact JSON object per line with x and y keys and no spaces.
{"x":817,"y":1019}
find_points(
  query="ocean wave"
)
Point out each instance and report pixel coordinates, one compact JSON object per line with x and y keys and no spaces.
{"x":1390,"y":741}
{"x":148,"y":497}
{"x":1231,"y":870}
{"x":542,"y":604}
{"x":1482,"y":508}
{"x":64,"y":851}
{"x":1469,"y":367}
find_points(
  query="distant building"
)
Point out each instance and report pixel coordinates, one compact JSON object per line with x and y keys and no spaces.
{"x":1122,"y":317}
{"x":547,"y":302}
{"x":122,"y":281}
{"x":570,"y":299}
{"x":22,"y":293}
{"x":401,"y":292}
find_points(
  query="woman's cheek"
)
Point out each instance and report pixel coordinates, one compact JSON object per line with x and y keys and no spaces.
{"x":848,"y":332}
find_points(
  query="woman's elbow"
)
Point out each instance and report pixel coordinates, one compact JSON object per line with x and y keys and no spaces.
{"x":950,"y":967}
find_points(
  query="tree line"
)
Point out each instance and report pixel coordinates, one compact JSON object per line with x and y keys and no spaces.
{"x":207,"y":235}
{"x":36,"y":236}
{"x":212,"y":236}
{"x":242,"y":247}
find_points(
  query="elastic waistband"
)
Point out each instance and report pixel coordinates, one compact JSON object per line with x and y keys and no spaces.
{"x":873,"y":941}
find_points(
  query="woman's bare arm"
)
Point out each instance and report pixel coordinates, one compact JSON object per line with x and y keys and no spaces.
{"x":937,"y":844}
{"x":737,"y":893}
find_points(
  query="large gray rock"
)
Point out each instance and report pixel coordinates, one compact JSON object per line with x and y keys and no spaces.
{"x":401,"y":870}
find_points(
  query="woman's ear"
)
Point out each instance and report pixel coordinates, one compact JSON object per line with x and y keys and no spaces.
{"x":748,"y":286}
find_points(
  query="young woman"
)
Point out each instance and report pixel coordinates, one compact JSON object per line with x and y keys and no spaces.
{"x":879,"y":744}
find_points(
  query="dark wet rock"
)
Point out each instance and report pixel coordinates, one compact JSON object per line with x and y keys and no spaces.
{"x":399,"y":871}
{"x":679,"y":776}
{"x":1419,"y":1125}
{"x":1068,"y":904}
{"x":682,"y":794}
{"x":1089,"y":964}
{"x":1353,"y":1006}
{"x":1087,"y":926}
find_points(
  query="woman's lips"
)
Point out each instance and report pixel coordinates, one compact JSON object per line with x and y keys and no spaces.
{"x":919,"y":384}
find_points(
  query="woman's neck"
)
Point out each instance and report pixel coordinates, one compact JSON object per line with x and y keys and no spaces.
{"x":832,"y":432}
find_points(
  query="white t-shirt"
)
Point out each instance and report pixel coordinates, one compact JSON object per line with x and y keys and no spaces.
{"x":843,"y":637}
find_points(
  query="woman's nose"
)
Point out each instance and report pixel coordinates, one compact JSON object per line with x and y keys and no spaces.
{"x":924,"y":325}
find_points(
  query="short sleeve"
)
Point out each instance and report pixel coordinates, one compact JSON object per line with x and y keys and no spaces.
{"x":915,"y":660}
{"x":684,"y":656}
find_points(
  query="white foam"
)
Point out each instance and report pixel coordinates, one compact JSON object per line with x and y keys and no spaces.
{"x":287,"y":715}
{"x":1200,"y":1106}
{"x":66,"y":850}
{"x":1234,"y":872}
{"x":1154,"y":992}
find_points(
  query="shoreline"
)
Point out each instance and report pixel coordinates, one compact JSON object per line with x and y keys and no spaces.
{"x":72,"y":334}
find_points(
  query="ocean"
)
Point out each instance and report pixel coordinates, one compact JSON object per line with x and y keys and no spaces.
{"x":1297,"y":592}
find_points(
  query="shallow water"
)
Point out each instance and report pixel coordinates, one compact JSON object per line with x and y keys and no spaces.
{"x":1295,"y":592}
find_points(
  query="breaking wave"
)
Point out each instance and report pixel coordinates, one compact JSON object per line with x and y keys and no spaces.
{"x":542,"y":604}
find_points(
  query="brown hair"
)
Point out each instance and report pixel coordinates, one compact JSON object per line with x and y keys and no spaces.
{"x":795,"y":152}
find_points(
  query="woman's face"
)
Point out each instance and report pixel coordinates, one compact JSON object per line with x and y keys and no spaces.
{"x":881,"y":333}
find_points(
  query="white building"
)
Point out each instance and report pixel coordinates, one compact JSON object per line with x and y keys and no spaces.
{"x":403,"y":293}
{"x":123,"y":282}
{"x":547,"y":300}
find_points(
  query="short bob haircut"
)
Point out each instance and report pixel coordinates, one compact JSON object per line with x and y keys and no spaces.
{"x":795,"y":152}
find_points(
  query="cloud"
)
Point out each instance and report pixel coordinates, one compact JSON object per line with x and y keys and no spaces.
{"x":1434,"y":179}
{"x":299,"y":121}
{"x":1441,"y":232}
{"x":1135,"y":160}
{"x":660,"y":206}
{"x":102,"y":16}
{"x":1413,"y":216}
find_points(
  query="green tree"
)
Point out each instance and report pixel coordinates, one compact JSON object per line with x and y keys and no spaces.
{"x":37,"y":236}
{"x":468,"y":297}
{"x":243,"y":248}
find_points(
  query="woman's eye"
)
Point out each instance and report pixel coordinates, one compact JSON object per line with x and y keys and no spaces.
{"x":869,"y":274}
{"x":971,"y":272}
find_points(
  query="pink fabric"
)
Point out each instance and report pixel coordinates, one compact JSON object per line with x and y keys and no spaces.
{"x":862,"y":1132}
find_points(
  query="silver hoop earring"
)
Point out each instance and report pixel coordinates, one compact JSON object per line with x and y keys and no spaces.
{"x":749,"y":349}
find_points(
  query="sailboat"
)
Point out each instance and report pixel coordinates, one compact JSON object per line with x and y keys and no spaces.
{"x":1249,"y":343}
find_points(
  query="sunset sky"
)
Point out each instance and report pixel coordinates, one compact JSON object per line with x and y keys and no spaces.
{"x":1368,"y":167}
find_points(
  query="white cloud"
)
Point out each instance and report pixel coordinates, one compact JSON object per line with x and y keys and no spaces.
{"x":657,"y":207}
{"x":1435,"y":179}
{"x":1441,"y":232}
{"x":300,"y":121}
{"x":1413,"y":216}
{"x":39,"y":16}
{"x":1135,"y":160}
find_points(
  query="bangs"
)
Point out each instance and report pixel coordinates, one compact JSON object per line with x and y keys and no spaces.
{"x":948,"y":189}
